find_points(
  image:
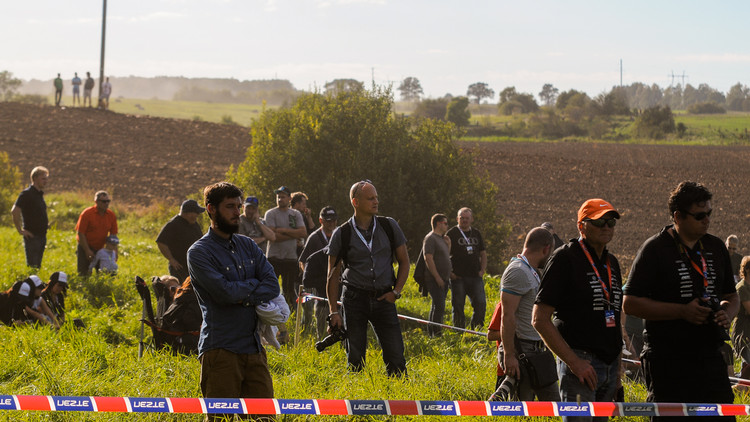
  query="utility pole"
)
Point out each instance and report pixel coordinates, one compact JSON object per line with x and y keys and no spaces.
{"x":101,"y":59}
{"x":620,"y":73}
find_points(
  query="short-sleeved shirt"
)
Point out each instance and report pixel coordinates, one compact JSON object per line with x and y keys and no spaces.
{"x":368,"y":269}
{"x":287,"y":218}
{"x":496,"y":325}
{"x":433,"y":244}
{"x":315,"y":242}
{"x":465,"y":250}
{"x":96,"y":227}
{"x":662,"y":271}
{"x":521,"y":280}
{"x":570,"y":285}
{"x":741,"y":332}
{"x":251,"y":229}
{"x":179,"y":235}
{"x":33,"y":210}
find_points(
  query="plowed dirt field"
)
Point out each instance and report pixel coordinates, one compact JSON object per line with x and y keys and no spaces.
{"x":146,"y":159}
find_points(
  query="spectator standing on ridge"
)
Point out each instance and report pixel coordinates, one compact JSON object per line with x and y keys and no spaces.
{"x":176,"y":237}
{"x":87,"y":88}
{"x":469,"y":261}
{"x":288,"y":225}
{"x":681,"y":284}
{"x":94,"y":225}
{"x":230,"y":276}
{"x":518,"y":289}
{"x":360,"y":256}
{"x":76,"y":82}
{"x":58,"y":90}
{"x":30,"y":217}
{"x":315,"y":242}
{"x":106,"y":92}
{"x":733,"y":246}
{"x":436,"y":248}
{"x":578,"y":308}
{"x":252,"y":226}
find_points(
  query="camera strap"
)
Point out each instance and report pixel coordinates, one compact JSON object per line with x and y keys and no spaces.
{"x":684,"y":252}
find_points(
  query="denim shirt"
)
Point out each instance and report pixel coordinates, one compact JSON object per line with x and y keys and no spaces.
{"x":230,"y":277}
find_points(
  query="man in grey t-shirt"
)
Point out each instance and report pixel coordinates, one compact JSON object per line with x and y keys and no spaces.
{"x":288,"y":226}
{"x":436,"y":248}
{"x":252,"y":226}
{"x":518,"y":289}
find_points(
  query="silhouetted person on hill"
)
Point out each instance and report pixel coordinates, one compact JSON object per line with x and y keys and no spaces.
{"x":87,"y":88}
{"x":76,"y":89}
{"x":106,"y":92}
{"x":58,"y":89}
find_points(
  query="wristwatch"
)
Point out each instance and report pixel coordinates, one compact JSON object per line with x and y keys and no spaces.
{"x":397,"y":294}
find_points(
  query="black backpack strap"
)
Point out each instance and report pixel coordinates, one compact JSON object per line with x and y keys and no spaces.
{"x":386,"y":224}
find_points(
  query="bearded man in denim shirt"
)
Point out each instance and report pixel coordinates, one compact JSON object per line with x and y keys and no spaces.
{"x":231,"y":276}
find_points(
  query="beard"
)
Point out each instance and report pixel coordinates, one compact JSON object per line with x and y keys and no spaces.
{"x":225,"y":225}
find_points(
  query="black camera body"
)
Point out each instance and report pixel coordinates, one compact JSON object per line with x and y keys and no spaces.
{"x":336,"y":336}
{"x":714,"y":305}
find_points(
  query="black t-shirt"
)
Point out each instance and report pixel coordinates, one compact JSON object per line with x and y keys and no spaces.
{"x":465,"y":255}
{"x":179,"y":235}
{"x":662,"y":272}
{"x":33,"y":210}
{"x":571,"y":286}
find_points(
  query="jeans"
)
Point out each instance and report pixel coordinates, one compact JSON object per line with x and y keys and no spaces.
{"x":524,"y":389}
{"x":607,"y":376}
{"x":83,"y":262}
{"x":687,"y":379}
{"x":437,"y":311}
{"x":360,"y":307}
{"x":474,"y":288}
{"x":34,"y":247}
{"x":288,"y":271}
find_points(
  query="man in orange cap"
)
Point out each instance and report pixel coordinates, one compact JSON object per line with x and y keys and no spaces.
{"x":577,"y":310}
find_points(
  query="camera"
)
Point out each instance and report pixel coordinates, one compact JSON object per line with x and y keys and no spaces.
{"x":506,"y":391}
{"x":713,"y":303}
{"x":336,"y":336}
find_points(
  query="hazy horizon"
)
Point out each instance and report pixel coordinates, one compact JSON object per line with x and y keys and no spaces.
{"x":572,"y":45}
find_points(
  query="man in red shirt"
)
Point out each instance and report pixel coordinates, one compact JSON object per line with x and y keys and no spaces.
{"x":94,"y":225}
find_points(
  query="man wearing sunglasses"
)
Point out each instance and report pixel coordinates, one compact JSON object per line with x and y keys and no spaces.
{"x":577,"y":310}
{"x":681,"y":284}
{"x":94,"y":225}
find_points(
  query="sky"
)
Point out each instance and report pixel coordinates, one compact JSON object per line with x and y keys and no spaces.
{"x":447,"y":45}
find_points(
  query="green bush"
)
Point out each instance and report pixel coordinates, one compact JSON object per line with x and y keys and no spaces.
{"x":227,"y":120}
{"x":10,"y":186}
{"x":654,"y":123}
{"x":706,"y":108}
{"x":325,"y":143}
{"x":31,"y":99}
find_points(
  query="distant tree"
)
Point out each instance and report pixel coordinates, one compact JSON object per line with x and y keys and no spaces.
{"x":411,"y":89}
{"x":737,"y":97}
{"x":706,"y":108}
{"x":673,"y":97}
{"x":458,"y":112}
{"x":654,"y":123}
{"x":480,"y":90}
{"x":8,"y":85}
{"x":548,"y":94}
{"x":416,"y":167}
{"x":613,"y":103}
{"x":432,"y":108}
{"x":513,"y":102}
{"x":343,"y":85}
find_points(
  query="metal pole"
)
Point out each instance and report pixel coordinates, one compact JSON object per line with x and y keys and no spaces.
{"x":101,"y":59}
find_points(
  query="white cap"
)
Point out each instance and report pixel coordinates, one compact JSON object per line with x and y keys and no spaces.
{"x":37,"y":281}
{"x":24,"y":290}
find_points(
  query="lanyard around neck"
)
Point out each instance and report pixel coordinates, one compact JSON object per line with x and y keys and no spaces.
{"x":684,"y":250}
{"x":533,"y":270}
{"x":362,"y":238}
{"x":605,"y":287}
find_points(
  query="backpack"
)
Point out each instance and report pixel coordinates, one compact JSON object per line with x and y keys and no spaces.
{"x":315,"y":274}
{"x":419,"y":270}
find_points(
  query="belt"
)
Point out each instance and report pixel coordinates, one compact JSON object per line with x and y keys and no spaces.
{"x":536,"y":343}
{"x":372,"y":294}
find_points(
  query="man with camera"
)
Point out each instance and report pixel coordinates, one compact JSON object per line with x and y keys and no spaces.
{"x":521,"y":346}
{"x":582,"y":288}
{"x":360,"y":255}
{"x":681,"y":284}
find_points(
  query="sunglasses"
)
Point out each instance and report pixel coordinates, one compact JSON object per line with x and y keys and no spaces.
{"x":600,"y":222}
{"x":106,"y":201}
{"x":359,"y":186}
{"x":700,"y":215}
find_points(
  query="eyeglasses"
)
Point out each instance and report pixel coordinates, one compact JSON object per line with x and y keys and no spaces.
{"x":700,"y":215}
{"x":600,"y":222}
{"x":106,"y":201}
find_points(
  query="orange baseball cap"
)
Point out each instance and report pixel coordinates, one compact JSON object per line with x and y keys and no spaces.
{"x":595,"y":208}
